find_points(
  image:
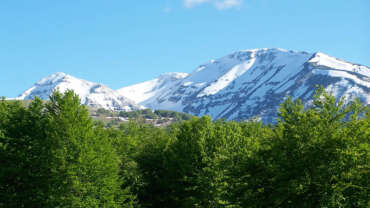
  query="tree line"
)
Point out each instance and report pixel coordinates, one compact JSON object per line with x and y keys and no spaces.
{"x":53,"y":155}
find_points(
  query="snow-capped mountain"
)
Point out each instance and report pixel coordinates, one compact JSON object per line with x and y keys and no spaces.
{"x":147,"y":92}
{"x":91,"y":94}
{"x":252,"y":83}
{"x":239,"y":86}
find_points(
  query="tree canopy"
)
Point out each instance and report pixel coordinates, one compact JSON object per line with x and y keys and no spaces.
{"x":53,"y":155}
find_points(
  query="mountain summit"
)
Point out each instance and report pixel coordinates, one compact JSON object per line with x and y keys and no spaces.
{"x":92,"y":94}
{"x":253,"y":83}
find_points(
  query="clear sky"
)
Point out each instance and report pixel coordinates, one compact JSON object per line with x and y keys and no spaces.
{"x":122,"y":42}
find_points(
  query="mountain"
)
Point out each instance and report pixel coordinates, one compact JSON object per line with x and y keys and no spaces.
{"x":252,"y":83}
{"x":91,"y":94}
{"x":238,"y":86}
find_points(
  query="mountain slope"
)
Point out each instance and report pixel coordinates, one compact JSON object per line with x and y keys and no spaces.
{"x":254,"y":83}
{"x":92,"y":94}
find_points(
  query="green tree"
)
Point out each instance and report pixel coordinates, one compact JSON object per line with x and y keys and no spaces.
{"x":23,"y":155}
{"x":84,"y":165}
{"x":314,"y":157}
{"x":246,"y":165}
{"x":180,"y":169}
{"x":53,"y":156}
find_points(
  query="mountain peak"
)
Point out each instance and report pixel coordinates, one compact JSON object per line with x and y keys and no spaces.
{"x":254,"y":50}
{"x":92,"y":94}
{"x":261,"y":53}
{"x":57,"y":75}
{"x":270,"y":50}
{"x":53,"y":78}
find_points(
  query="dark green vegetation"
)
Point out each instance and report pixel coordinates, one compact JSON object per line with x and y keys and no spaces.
{"x":53,"y":155}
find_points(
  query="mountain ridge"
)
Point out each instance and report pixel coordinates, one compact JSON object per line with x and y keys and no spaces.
{"x":241,"y":85}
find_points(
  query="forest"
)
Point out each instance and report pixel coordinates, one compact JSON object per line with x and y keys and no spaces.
{"x":52,"y":154}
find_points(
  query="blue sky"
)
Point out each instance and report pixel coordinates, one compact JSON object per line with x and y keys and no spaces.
{"x":122,"y":42}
